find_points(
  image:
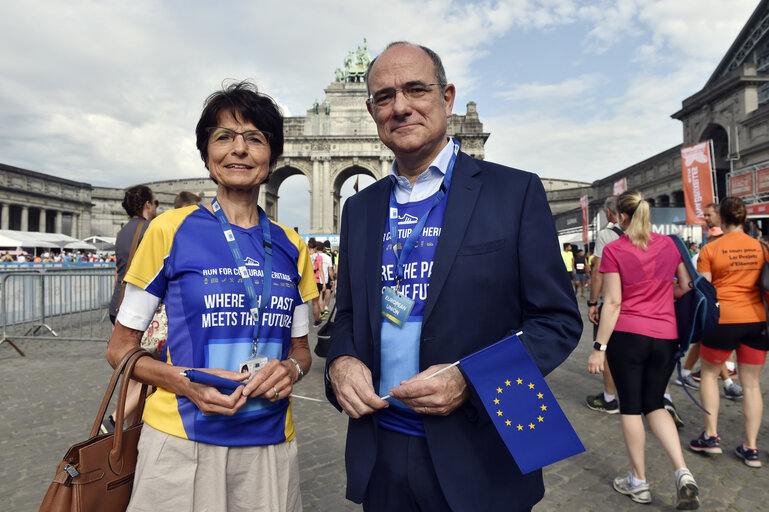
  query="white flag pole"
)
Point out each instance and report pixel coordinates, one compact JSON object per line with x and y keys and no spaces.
{"x":452,"y":365}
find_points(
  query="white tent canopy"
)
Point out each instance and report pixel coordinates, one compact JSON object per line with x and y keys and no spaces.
{"x":6,"y":241}
{"x":17,"y":239}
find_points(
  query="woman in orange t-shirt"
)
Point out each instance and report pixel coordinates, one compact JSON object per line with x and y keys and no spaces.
{"x":733,"y":264}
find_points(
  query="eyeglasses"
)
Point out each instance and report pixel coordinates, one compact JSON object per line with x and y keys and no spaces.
{"x":411,"y":91}
{"x":224,"y":137}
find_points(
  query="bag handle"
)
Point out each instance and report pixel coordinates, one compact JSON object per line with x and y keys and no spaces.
{"x":693,"y":274}
{"x":116,"y":453}
{"x":110,"y":391}
{"x":125,"y":367}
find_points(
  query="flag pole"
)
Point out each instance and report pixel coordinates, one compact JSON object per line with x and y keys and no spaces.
{"x":452,"y":365}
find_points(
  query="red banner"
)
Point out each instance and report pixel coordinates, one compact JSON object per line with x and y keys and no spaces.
{"x":620,"y":186}
{"x":583,"y":205}
{"x":762,"y":180}
{"x":741,"y":185}
{"x":757,"y":209}
{"x":697,"y":171}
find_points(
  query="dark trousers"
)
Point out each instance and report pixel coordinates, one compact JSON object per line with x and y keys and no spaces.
{"x":403,"y":478}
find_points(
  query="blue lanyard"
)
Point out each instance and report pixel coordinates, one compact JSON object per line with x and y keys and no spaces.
{"x":256,"y":306}
{"x":411,"y":241}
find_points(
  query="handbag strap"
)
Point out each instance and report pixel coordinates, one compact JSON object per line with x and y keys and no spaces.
{"x":116,"y":453}
{"x":687,"y":260}
{"x":134,"y":244}
{"x":119,"y":369}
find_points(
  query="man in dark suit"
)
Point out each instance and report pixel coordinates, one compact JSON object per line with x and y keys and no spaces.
{"x":481,"y":262}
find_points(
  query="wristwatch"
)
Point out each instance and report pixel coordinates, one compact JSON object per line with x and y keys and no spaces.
{"x":600,"y":347}
{"x":591,"y":304}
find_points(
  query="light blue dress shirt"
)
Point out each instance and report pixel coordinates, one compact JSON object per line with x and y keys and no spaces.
{"x":427,"y":183}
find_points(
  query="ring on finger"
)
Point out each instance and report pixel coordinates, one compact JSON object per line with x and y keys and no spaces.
{"x":276,"y":392}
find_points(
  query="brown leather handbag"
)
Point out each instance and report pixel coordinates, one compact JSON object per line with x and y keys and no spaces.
{"x":97,"y":474}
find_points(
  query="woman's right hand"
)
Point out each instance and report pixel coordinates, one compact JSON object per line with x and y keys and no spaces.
{"x":210,"y":400}
{"x":596,"y":361}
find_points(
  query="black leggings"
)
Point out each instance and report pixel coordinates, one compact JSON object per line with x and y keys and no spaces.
{"x":641,"y":367}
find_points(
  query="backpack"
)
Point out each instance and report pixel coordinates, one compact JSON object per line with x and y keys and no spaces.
{"x":697,"y":311}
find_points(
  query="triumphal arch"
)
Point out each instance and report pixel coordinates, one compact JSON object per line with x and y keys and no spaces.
{"x":334,"y":140}
{"x":337,"y":139}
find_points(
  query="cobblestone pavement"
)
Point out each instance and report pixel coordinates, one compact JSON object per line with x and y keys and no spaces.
{"x":48,"y":400}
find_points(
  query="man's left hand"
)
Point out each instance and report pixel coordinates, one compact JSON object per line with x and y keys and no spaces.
{"x":439,"y":395}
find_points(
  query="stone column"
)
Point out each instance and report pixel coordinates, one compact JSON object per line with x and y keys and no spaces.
{"x":262,"y":199}
{"x":41,"y":223}
{"x":57,"y":223}
{"x":5,"y":214}
{"x":25,"y":218}
{"x":385,"y":167}
{"x":315,"y":197}
{"x":327,"y":196}
{"x":74,"y":231}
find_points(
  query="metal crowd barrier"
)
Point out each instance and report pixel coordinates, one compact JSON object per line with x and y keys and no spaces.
{"x":59,"y":303}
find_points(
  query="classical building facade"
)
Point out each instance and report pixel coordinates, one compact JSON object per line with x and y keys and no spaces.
{"x":33,"y":201}
{"x":337,"y":138}
{"x":334,"y":140}
{"x":731,"y":110}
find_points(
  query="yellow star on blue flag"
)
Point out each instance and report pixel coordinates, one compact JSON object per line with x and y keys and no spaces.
{"x":526,"y":416}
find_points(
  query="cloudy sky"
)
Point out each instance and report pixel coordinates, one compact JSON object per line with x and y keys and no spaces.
{"x":108,"y":92}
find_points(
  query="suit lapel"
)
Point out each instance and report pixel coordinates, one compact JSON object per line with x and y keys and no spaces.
{"x":461,"y":202}
{"x":375,"y":223}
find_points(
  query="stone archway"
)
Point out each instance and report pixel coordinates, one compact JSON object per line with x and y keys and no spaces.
{"x":269,"y":192}
{"x":340,"y":176}
{"x":720,"y":138}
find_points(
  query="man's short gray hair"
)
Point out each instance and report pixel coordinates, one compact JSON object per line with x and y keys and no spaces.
{"x":611,"y":204}
{"x":440,"y":73}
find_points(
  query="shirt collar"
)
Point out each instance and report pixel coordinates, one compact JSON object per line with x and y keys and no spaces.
{"x":439,"y":165}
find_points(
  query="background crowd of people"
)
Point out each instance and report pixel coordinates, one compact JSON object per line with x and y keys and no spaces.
{"x":640,"y":274}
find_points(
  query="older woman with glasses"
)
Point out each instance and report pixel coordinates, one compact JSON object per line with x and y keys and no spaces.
{"x":235,"y":286}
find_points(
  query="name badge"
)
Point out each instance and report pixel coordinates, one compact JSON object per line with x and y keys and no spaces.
{"x":396,"y":307}
{"x":252,"y":366}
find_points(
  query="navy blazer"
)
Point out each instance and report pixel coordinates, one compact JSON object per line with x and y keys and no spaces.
{"x":497,"y":269}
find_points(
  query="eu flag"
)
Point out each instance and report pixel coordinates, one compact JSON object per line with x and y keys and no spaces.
{"x":521,"y":406}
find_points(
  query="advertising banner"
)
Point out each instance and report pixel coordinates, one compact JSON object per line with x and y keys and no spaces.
{"x":583,"y":205}
{"x":762,"y":181}
{"x":697,"y":174}
{"x":741,"y":185}
{"x":757,"y":209}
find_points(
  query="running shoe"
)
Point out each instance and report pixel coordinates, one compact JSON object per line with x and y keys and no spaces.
{"x":598,"y":403}
{"x":705,"y":444}
{"x":748,"y":456}
{"x":688,"y":381}
{"x":669,"y":407}
{"x":687,"y":492}
{"x":316,"y":323}
{"x":734,"y":392}
{"x":639,"y":493}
